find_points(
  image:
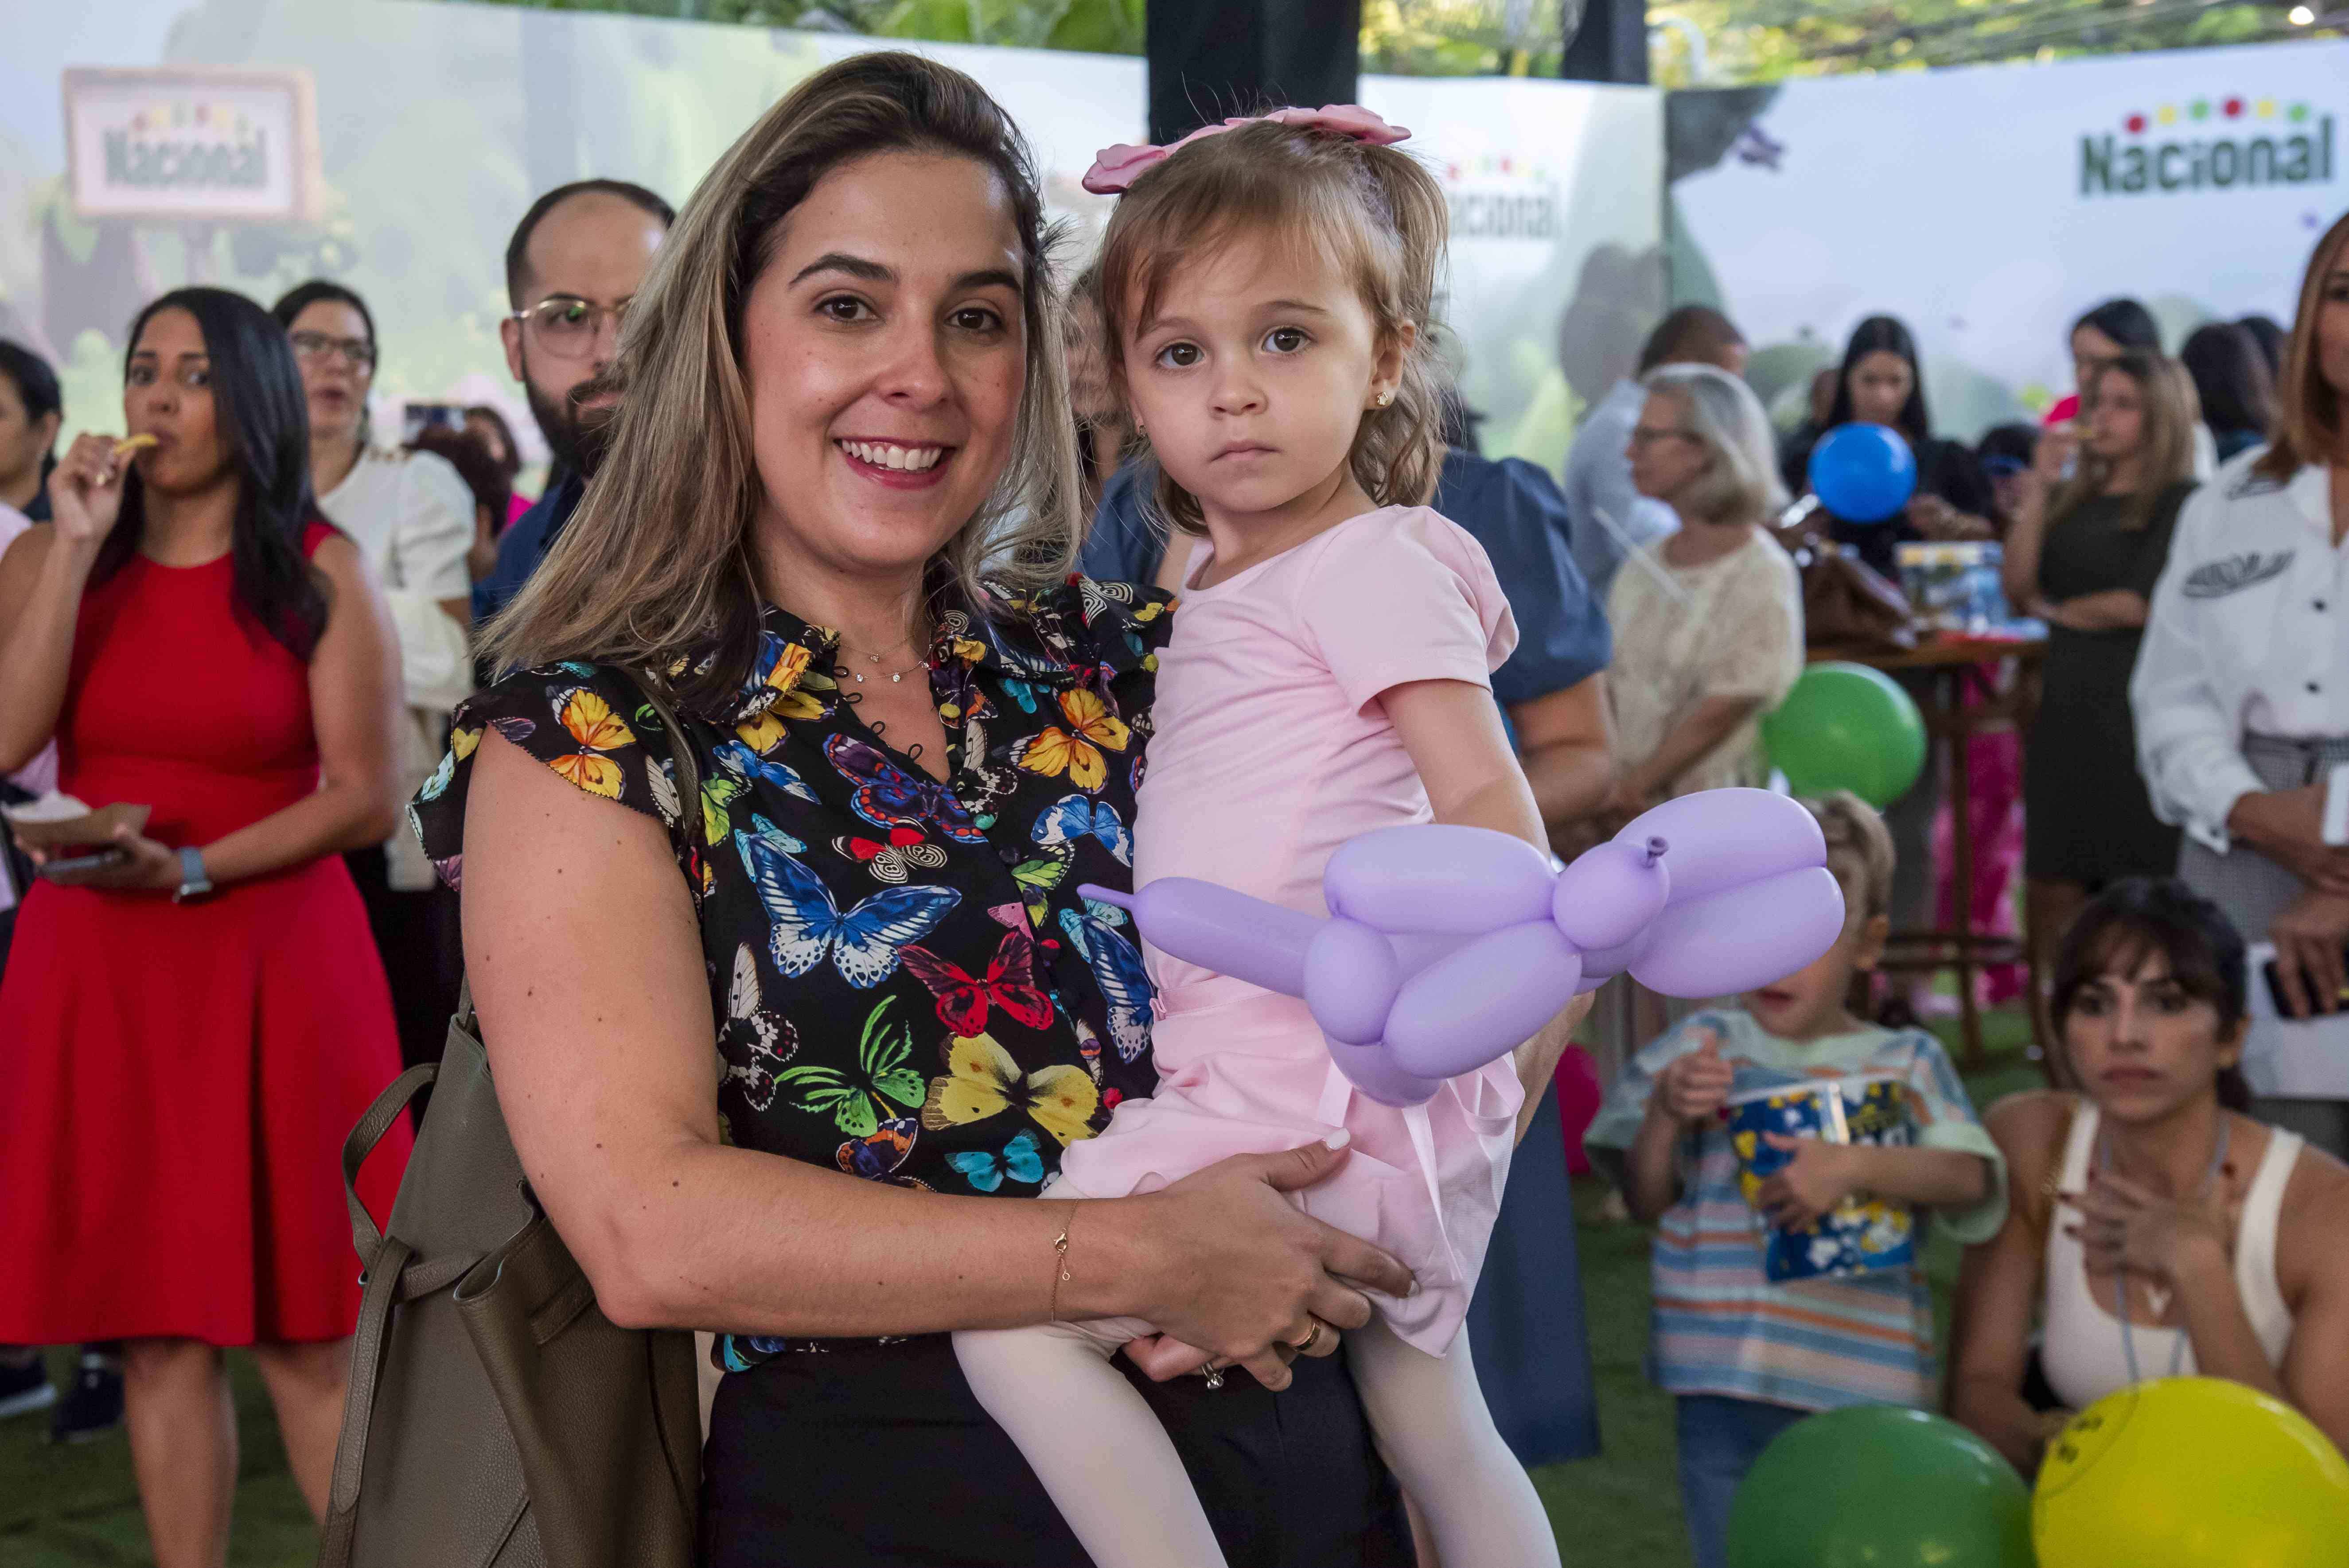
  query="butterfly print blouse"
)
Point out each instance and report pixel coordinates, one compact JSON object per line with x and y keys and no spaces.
{"x":908,"y":984}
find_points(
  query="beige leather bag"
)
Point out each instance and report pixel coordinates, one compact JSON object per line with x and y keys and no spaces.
{"x":496,"y":1417}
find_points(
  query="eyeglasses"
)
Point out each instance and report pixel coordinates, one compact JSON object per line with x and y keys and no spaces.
{"x":322,"y":345}
{"x":1648,"y":436}
{"x":568,"y":328}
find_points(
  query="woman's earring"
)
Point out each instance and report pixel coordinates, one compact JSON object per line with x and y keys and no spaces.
{"x":1385,"y":398}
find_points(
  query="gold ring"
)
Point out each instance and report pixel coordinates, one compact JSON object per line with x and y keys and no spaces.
{"x":1312,"y":1337}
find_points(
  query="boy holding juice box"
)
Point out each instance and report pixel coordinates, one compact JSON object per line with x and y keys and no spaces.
{"x":1783,"y":1149}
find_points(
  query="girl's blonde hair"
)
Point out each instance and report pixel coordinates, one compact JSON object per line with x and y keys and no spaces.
{"x":2309,"y":426}
{"x":656,"y":569}
{"x":2165,"y":442}
{"x":1371,"y":212}
{"x":1859,"y":852}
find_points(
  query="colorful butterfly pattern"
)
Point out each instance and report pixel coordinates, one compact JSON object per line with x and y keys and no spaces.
{"x":1019,"y":1161}
{"x":905,"y":984}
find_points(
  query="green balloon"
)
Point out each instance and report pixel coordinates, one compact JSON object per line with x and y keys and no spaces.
{"x":1878,"y":1486}
{"x":1846,"y":726}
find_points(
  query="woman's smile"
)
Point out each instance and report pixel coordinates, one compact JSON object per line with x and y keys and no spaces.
{"x":900,"y":465}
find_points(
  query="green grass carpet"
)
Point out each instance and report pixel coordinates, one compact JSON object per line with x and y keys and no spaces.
{"x":76,"y":1508}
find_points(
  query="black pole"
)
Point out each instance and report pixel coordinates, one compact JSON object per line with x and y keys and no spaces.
{"x":1211,"y":58}
{"x":1611,"y":45}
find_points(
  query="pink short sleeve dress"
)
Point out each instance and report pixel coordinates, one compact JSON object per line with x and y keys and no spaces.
{"x":1271,"y":749}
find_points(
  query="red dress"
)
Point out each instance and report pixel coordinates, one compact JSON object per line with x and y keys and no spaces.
{"x":176,"y":1079}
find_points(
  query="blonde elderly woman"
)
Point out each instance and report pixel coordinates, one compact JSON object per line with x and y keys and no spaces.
{"x":1708,"y":622}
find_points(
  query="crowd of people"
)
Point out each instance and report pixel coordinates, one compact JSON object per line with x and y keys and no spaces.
{"x":929,"y":559}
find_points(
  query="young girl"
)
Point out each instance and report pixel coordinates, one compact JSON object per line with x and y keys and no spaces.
{"x":1266,"y":290}
{"x":1745,"y":1356}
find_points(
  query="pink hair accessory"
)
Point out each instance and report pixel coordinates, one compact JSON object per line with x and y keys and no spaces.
{"x":1115,"y":168}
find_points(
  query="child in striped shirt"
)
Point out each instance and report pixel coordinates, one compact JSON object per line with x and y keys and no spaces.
{"x":1747,"y":1357}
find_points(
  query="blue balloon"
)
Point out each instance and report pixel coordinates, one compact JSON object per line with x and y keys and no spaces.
{"x":1863,"y":473}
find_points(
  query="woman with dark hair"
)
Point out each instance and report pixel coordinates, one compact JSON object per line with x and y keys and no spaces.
{"x":2271,"y":336}
{"x":737,"y":1038}
{"x":2155,"y":1230}
{"x":31,"y":410}
{"x":2241,"y":693}
{"x":1882,"y":382}
{"x":413,"y":520}
{"x":2119,"y":325}
{"x":2232,"y":381}
{"x":484,"y":476}
{"x":195,"y":1016}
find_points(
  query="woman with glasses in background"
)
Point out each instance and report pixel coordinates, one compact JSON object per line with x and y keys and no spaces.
{"x":412,"y":518}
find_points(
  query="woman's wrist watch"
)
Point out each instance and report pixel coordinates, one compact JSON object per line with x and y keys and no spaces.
{"x":194,"y":882}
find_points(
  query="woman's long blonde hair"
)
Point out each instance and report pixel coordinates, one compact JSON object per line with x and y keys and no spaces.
{"x":657,"y":571}
{"x":2165,"y":440}
{"x":2308,"y":427}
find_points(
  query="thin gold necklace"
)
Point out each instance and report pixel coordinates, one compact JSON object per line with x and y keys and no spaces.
{"x":895,"y":675}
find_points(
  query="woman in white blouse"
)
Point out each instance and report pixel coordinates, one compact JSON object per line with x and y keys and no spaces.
{"x":413,"y":518}
{"x":1708,"y":622}
{"x":2242,"y":691}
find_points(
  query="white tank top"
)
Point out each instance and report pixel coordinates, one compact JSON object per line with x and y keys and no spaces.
{"x":2082,"y":1353}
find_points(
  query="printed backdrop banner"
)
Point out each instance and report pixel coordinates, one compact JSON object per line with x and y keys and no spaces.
{"x":391,"y":144}
{"x":1987,"y":208}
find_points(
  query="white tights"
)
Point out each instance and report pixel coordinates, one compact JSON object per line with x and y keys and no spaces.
{"x":1113,"y":1474}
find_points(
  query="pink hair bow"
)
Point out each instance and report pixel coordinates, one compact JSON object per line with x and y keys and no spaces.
{"x":1118,"y":166}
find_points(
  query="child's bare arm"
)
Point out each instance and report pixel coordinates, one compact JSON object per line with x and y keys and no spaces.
{"x":1454,"y":733}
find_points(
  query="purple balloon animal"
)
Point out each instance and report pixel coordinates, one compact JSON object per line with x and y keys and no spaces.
{"x":1446,"y":946}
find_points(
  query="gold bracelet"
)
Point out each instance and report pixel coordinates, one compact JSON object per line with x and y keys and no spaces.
{"x":1060,"y":1264}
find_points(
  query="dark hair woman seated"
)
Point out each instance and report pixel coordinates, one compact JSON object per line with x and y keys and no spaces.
{"x":2155,"y":1231}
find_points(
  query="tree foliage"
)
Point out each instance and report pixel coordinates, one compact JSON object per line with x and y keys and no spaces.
{"x":1742,"y":40}
{"x":1767,"y":40}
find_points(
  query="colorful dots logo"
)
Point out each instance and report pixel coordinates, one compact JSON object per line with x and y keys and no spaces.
{"x":2134,"y":125}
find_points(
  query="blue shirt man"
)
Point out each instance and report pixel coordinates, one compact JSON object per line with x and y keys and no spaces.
{"x":524,"y":544}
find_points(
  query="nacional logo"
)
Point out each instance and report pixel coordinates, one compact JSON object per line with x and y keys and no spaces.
{"x":1502,"y":198}
{"x":198,"y":144}
{"x":176,"y":144}
{"x":2209,"y":144}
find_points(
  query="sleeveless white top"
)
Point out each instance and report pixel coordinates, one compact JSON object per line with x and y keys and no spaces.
{"x":2082,"y":1353}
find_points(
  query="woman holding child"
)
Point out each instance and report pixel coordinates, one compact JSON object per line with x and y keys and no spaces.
{"x":2155,"y":1230}
{"x":842,"y":394}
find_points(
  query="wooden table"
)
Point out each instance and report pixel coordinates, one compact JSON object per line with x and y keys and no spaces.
{"x":1949,"y":724}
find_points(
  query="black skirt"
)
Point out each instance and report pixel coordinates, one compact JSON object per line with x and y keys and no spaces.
{"x":868,"y":1455}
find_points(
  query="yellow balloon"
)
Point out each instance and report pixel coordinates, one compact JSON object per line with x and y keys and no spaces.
{"x":2191,"y":1473}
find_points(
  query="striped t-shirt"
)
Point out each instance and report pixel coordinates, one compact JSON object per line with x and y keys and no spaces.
{"x":1721,"y":1326}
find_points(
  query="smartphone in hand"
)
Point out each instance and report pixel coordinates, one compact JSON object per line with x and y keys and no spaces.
{"x":2284,"y":1004}
{"x":75,"y":864}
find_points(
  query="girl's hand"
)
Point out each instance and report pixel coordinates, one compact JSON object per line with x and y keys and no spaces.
{"x":1796,"y":1194}
{"x":85,"y":490}
{"x":145,"y":866}
{"x":1246,"y":1274}
{"x":2125,"y":1226}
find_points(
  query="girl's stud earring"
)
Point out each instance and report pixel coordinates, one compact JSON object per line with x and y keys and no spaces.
{"x":1385,"y":398}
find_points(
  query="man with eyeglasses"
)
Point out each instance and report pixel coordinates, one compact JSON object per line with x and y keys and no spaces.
{"x":576,"y":259}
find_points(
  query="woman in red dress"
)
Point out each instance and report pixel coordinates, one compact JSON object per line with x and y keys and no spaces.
{"x":193,"y":1026}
